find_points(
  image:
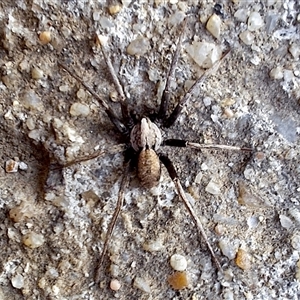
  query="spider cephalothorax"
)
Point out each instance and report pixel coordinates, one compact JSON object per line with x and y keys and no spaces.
{"x":145,"y":140}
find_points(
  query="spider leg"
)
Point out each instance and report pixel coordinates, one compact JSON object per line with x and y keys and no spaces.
{"x":118,"y":85}
{"x":162,"y":114}
{"x":172,"y":172}
{"x":178,"y":108}
{"x":183,"y":143}
{"x":110,"y":113}
{"x":123,"y":186}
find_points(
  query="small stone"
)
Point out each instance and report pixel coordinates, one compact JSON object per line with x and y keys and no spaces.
{"x":285,"y":222}
{"x":213,"y":188}
{"x":255,"y":21}
{"x":114,"y":9}
{"x":153,"y":246}
{"x":36,"y":73}
{"x":178,"y":262}
{"x":214,"y":25}
{"x":247,"y":37}
{"x":115,"y":285}
{"x":142,"y":284}
{"x":295,"y":241}
{"x":294,"y":49}
{"x":139,"y":46}
{"x":178,"y":280}
{"x":11,"y":166}
{"x":204,"y":54}
{"x":45,"y":37}
{"x":243,"y":260}
{"x":241,"y":15}
{"x":271,"y":22}
{"x":33,"y":240}
{"x":23,"y":166}
{"x":17,"y":281}
{"x":30,"y":123}
{"x":227,"y":249}
{"x":276,"y":73}
{"x":79,"y":109}
{"x":31,"y":100}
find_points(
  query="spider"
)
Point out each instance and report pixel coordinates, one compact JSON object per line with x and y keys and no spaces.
{"x":144,"y":139}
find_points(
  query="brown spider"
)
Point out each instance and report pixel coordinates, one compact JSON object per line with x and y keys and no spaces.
{"x":144,"y":140}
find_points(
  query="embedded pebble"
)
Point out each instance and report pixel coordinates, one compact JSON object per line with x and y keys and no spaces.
{"x":214,"y":25}
{"x":153,"y":246}
{"x":79,"y":109}
{"x":276,"y":73}
{"x":243,"y":259}
{"x":271,"y":22}
{"x":33,"y":240}
{"x":247,"y":37}
{"x":115,"y":285}
{"x":36,"y":73}
{"x":255,"y":21}
{"x":23,"y":166}
{"x":22,"y":211}
{"x":285,"y":222}
{"x":213,"y":188}
{"x":178,"y":280}
{"x":31,"y":100}
{"x":11,"y":166}
{"x":142,"y":284}
{"x":204,"y":54}
{"x":178,"y":262}
{"x":294,"y":49}
{"x":227,"y":249}
{"x":45,"y":37}
{"x":30,"y":123}
{"x":298,"y":271}
{"x":295,"y":241}
{"x":114,"y":9}
{"x":17,"y":281}
{"x":241,"y":15}
{"x":139,"y":46}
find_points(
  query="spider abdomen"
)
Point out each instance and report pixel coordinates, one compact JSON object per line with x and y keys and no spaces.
{"x":148,"y":168}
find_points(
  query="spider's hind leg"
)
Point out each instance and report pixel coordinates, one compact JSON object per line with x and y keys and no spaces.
{"x":172,"y":172}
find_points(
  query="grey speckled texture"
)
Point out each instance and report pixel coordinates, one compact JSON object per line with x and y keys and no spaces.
{"x":264,"y":115}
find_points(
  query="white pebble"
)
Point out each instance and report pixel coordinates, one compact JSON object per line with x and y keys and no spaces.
{"x":285,"y":222}
{"x":23,"y":166}
{"x":79,"y":109}
{"x":247,"y":37}
{"x":178,"y":262}
{"x":214,"y":25}
{"x":295,"y":241}
{"x":213,"y":188}
{"x":241,"y":15}
{"x":142,"y":284}
{"x":17,"y":281}
{"x":153,"y":245}
{"x":276,"y":73}
{"x":33,"y":240}
{"x":31,"y":100}
{"x":139,"y":46}
{"x":227,"y":249}
{"x":294,"y":49}
{"x":115,"y":285}
{"x":204,"y":54}
{"x":255,"y":21}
